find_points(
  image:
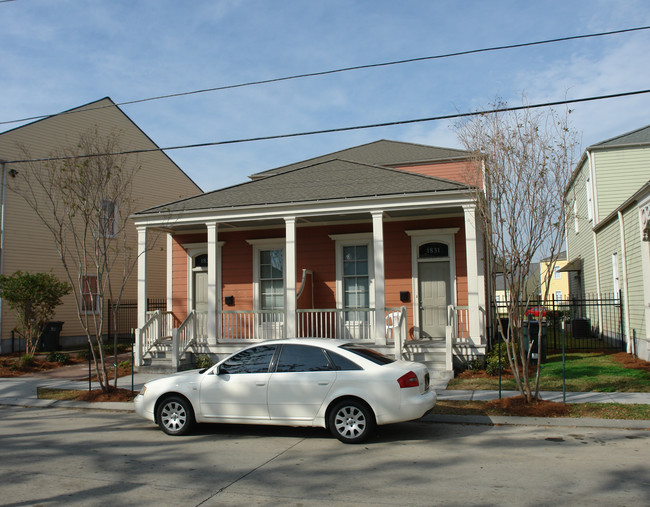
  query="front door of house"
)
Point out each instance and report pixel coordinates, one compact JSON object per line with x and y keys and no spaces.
{"x":434,"y":296}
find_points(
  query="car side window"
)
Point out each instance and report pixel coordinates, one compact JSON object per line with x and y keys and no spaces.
{"x":342,"y":363}
{"x":253,"y":360}
{"x":294,"y":358}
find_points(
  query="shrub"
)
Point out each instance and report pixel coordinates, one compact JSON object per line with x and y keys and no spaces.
{"x":25,"y":360}
{"x":125,"y":364}
{"x":492,"y":359}
{"x":58,"y":357}
{"x":203,"y":361}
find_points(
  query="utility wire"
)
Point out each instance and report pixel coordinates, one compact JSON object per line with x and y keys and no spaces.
{"x":344,"y":129}
{"x":344,"y":69}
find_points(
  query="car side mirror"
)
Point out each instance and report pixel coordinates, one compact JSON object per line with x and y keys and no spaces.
{"x":221,"y":370}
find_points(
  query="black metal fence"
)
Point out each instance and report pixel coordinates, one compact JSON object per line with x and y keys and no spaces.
{"x":122,"y":324}
{"x":593,"y":322}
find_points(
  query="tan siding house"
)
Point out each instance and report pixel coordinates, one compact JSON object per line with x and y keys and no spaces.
{"x":28,"y":246}
{"x":608,"y":230}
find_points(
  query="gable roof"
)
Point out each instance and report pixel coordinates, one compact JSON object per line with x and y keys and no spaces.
{"x":322,"y":181}
{"x":638,"y":136}
{"x":382,"y":153}
{"x":78,"y":118}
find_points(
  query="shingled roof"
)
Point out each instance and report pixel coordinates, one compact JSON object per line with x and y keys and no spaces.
{"x":638,"y":136}
{"x":383,"y":153}
{"x":331,"y":179}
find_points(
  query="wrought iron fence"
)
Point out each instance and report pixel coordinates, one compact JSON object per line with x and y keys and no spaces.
{"x":592,"y":322}
{"x":126,"y":320}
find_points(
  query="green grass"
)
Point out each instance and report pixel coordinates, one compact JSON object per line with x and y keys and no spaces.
{"x":585,"y":372}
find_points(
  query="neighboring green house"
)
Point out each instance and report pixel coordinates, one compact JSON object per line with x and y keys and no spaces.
{"x":608,"y":229}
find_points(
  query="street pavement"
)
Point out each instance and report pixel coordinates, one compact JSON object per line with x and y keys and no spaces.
{"x":23,"y":391}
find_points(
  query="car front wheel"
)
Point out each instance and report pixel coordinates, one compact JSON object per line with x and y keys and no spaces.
{"x":175,"y":416}
{"x":351,"y":421}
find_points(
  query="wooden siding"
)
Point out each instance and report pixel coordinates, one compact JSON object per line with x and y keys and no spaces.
{"x":316,"y":251}
{"x":581,"y":243}
{"x":634,"y":261}
{"x":29,"y":246}
{"x":619,"y":174}
{"x":462,"y":172}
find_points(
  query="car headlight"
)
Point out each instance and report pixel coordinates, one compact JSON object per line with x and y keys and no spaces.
{"x":144,"y":389}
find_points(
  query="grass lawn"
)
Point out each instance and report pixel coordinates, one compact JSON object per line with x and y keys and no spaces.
{"x":585,"y":372}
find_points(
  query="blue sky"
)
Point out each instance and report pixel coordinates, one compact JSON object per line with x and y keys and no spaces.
{"x":59,"y":54}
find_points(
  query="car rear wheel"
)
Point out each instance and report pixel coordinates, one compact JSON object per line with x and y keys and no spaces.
{"x":351,"y":421}
{"x":175,"y":416}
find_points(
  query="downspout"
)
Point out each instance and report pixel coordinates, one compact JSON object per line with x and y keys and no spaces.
{"x":626,"y":304}
{"x":594,"y":207}
{"x":2,"y":236}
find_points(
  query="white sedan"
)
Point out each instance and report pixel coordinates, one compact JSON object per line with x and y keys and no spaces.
{"x":334,"y":384}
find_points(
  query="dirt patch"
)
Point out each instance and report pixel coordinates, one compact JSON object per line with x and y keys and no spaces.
{"x":517,"y":406}
{"x":631,"y":362}
{"x":112,"y":395}
{"x":10,"y":366}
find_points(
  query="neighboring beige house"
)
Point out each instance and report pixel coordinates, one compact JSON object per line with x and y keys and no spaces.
{"x":608,"y":230}
{"x":559,"y":281}
{"x":26,"y":244}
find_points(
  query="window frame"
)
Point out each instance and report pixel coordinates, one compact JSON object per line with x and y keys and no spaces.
{"x":94,"y":297}
{"x":108,"y":219}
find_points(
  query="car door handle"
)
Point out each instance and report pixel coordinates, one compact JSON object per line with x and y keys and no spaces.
{"x":260,"y":384}
{"x":323,"y":383}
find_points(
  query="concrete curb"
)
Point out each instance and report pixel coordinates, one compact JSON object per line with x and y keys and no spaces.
{"x":571,"y":422}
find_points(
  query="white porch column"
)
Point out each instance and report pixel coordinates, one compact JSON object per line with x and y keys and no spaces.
{"x":380,"y":280}
{"x":473,"y":287}
{"x":170,"y":265}
{"x":214,"y":288}
{"x":290,"y":328}
{"x":142,"y":276}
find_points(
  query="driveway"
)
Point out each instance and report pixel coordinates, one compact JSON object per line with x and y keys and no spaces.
{"x":75,"y":457}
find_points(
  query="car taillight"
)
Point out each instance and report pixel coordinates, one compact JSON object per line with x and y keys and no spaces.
{"x":409,"y":379}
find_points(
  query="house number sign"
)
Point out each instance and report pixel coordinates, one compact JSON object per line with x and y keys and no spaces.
{"x":433,"y":250}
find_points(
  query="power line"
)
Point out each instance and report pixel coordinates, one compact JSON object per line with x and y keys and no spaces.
{"x":343,"y":69}
{"x":345,"y":129}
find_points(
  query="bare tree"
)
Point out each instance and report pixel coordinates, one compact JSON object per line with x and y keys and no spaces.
{"x":83,"y":195}
{"x":522,"y":163}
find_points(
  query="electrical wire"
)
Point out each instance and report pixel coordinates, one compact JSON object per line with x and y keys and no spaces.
{"x":343,"y":69}
{"x":342,"y":129}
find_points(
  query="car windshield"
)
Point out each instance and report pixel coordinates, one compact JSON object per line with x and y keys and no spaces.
{"x":369,"y":354}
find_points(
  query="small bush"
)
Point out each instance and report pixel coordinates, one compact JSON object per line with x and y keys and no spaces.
{"x":125,"y":364}
{"x":25,"y":361}
{"x":492,"y":359}
{"x":203,"y":361}
{"x":58,"y":357}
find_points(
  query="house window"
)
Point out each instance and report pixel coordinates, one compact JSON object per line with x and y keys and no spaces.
{"x":556,"y":273}
{"x":356,"y":281}
{"x":89,"y":294}
{"x":558,"y":295}
{"x":576,"y":223}
{"x":271,"y":279}
{"x":108,"y":219}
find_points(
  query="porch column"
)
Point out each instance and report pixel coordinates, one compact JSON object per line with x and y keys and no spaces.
{"x":170,"y":270}
{"x":290,"y":288}
{"x":473,"y":288}
{"x":214,"y":289}
{"x":380,"y":295}
{"x":142,"y":276}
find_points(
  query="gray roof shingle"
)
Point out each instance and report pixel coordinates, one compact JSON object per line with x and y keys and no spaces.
{"x":383,"y":152}
{"x":638,"y":136}
{"x":332,"y":179}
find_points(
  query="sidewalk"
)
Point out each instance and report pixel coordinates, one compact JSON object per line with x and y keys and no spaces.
{"x":22,"y":391}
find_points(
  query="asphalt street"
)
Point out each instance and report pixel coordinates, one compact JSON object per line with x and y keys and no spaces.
{"x":53,"y":456}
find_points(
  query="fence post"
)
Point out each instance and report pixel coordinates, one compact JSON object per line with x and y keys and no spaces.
{"x":622,"y":313}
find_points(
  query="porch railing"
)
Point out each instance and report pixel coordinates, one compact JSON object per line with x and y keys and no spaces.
{"x":458,"y":320}
{"x":251,"y":324}
{"x":338,"y":323}
{"x":182,"y":337}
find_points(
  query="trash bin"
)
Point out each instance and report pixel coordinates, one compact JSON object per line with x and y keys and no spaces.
{"x":581,"y":328}
{"x":49,"y":341}
{"x":531,"y":334}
